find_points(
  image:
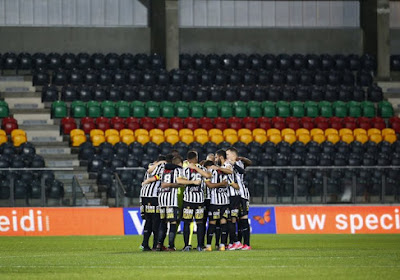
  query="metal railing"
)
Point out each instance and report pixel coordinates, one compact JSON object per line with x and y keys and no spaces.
{"x":120,"y":192}
{"x":77,"y":186}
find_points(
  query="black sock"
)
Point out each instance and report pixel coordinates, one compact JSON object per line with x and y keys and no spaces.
{"x":232,"y":232}
{"x":217,"y":233}
{"x":224,"y":233}
{"x":172,"y":233}
{"x":155,"y":229}
{"x":245,"y":231}
{"x":200,"y":234}
{"x":210,"y":233}
{"x":186,"y":232}
{"x":147,"y":231}
{"x":162,"y":231}
{"x":239,"y":235}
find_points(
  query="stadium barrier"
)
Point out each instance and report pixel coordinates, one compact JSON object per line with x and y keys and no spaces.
{"x":263,"y":220}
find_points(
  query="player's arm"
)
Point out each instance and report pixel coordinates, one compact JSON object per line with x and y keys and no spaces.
{"x":203,"y":173}
{"x":238,"y":169}
{"x":222,"y":169}
{"x":154,"y":166}
{"x":216,"y":185}
{"x":234,"y":185}
{"x":151,"y":180}
{"x":184,"y":181}
{"x":170,"y":185}
{"x":245,"y":161}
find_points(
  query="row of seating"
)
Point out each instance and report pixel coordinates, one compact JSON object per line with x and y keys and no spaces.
{"x":189,"y":93}
{"x":205,"y":78}
{"x":87,"y":124}
{"x":283,"y":61}
{"x":269,"y":154}
{"x":55,"y":61}
{"x":210,"y":109}
{"x":18,"y":137}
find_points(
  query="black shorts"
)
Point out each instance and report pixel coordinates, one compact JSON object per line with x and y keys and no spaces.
{"x":244,"y":207}
{"x":192,"y":210}
{"x":234,"y":206}
{"x":218,"y":212}
{"x":169,"y":213}
{"x":149,"y":205}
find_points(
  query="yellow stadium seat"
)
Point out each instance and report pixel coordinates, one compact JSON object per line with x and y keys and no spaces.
{"x":344,"y":131}
{"x":125,"y":131}
{"x":387,"y":131}
{"x":347,"y":138}
{"x":76,"y":131}
{"x":156,"y":131}
{"x":273,"y":131}
{"x":200,"y":131}
{"x":187,"y":139}
{"x":217,"y":138}
{"x":128,"y":139}
{"x":304,"y":138}
{"x":244,"y":131}
{"x":19,"y":139}
{"x":362,"y":138}
{"x":359,"y":131}
{"x":3,"y":139}
{"x":333,"y":138}
{"x":259,"y":131}
{"x":319,"y":138}
{"x":143,"y":138}
{"x":302,"y":131}
{"x":201,"y":138}
{"x":113,"y":139}
{"x":376,"y":138}
{"x":316,"y":131}
{"x":172,"y":139}
{"x":96,"y":132}
{"x":17,"y":132}
{"x":229,"y":131}
{"x":275,"y":138}
{"x":111,"y":132}
{"x":331,"y":131}
{"x":141,"y":131}
{"x":391,"y":138}
{"x":231,"y":138}
{"x":289,"y":138}
{"x":2,"y":132}
{"x":185,"y":131}
{"x":287,"y":131}
{"x":171,"y":131}
{"x":214,"y":131}
{"x":260,"y":138}
{"x":97,"y":139}
{"x":373,"y":131}
{"x":158,"y":138}
{"x":78,"y":139}
{"x":246,"y":138}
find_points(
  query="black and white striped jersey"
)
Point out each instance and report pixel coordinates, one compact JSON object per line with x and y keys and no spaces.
{"x":232,"y":179}
{"x":152,"y":189}
{"x":220,"y":195}
{"x":243,"y":190}
{"x":194,"y":193}
{"x":169,"y":196}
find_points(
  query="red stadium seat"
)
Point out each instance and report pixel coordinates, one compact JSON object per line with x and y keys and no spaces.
{"x":350,"y":125}
{"x":205,"y":120}
{"x":207,"y":125}
{"x":87,"y":127}
{"x":117,"y":120}
{"x":161,"y":120}
{"x":349,"y":119}
{"x":336,"y":125}
{"x":132,"y":120}
{"x":335,"y":119}
{"x":379,"y":125}
{"x":9,"y":120}
{"x":293,"y":125}
{"x":322,"y":125}
{"x":249,"y":119}
{"x":102,"y":120}
{"x":191,"y":120}
{"x":365,"y":125}
{"x":279,"y":125}
{"x":146,"y":120}
{"x":363,"y":119}
{"x":148,"y":125}
{"x":396,"y":126}
{"x":321,"y":120}
{"x":103,"y":125}
{"x":394,"y":120}
{"x":263,"y":120}
{"x":250,"y":125}
{"x":118,"y":125}
{"x":234,"y":120}
{"x":220,"y":120}
{"x":265,"y":125}
{"x":377,"y":120}
{"x":67,"y":127}
{"x":177,"y":125}
{"x":163,"y":125}
{"x":308,"y":125}
{"x":235,"y":125}
{"x":176,"y":120}
{"x":292,"y":120}
{"x":68,"y":120}
{"x":277,"y":119}
{"x":192,"y":125}
{"x":306,"y":119}
{"x":221,"y":125}
{"x":133,"y":125}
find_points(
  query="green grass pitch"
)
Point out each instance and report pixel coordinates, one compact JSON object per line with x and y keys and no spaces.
{"x":273,"y":257}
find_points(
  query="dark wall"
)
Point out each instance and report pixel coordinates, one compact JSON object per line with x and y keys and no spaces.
{"x":395,"y":41}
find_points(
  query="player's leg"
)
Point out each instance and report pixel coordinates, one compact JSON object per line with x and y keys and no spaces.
{"x":213,"y":216}
{"x":234,"y":243}
{"x":155,"y":228}
{"x":217,"y":233}
{"x":224,"y":227}
{"x":244,"y":221}
{"x":147,"y":232}
{"x":172,"y":216}
{"x":199,"y":214}
{"x":187,"y":216}
{"x":162,"y":231}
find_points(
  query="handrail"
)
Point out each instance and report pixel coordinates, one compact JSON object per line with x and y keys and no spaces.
{"x":119,"y":189}
{"x":75,"y":183}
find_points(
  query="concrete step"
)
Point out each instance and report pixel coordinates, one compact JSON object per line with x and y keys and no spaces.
{"x":51,"y":144}
{"x":53,"y":150}
{"x":20,"y":94}
{"x":36,"y":139}
{"x":33,"y":119}
{"x":42,"y":133}
{"x":68,"y":175}
{"x":44,"y":128}
{"x":61,"y":163}
{"x":24,"y":102}
{"x":17,"y":86}
{"x":60,"y":157}
{"x":12,"y":79}
{"x":14,"y":111}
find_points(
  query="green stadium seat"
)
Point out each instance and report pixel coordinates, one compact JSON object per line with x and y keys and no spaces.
{"x":240,"y":111}
{"x":168,"y":111}
{"x":59,"y":109}
{"x":325,"y":109}
{"x":182,"y":111}
{"x":93,"y":109}
{"x":269,"y":109}
{"x":152,"y":104}
{"x":354,"y":109}
{"x":254,"y":108}
{"x":153,"y":111}
{"x":196,"y":111}
{"x":368,"y":109}
{"x":78,"y":109}
{"x":108,"y":109}
{"x":225,"y":110}
{"x":211,"y":111}
{"x":385,"y":109}
{"x":123,"y":109}
{"x":339,"y":109}
{"x":221,"y":104}
{"x":297,"y":109}
{"x":138,"y":111}
{"x":283,"y":109}
{"x":4,"y":111}
{"x":166,"y":104}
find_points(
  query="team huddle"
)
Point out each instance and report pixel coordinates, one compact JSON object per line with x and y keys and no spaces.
{"x":213,"y":190}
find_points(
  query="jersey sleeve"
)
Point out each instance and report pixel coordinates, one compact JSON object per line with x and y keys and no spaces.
{"x":214,"y":177}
